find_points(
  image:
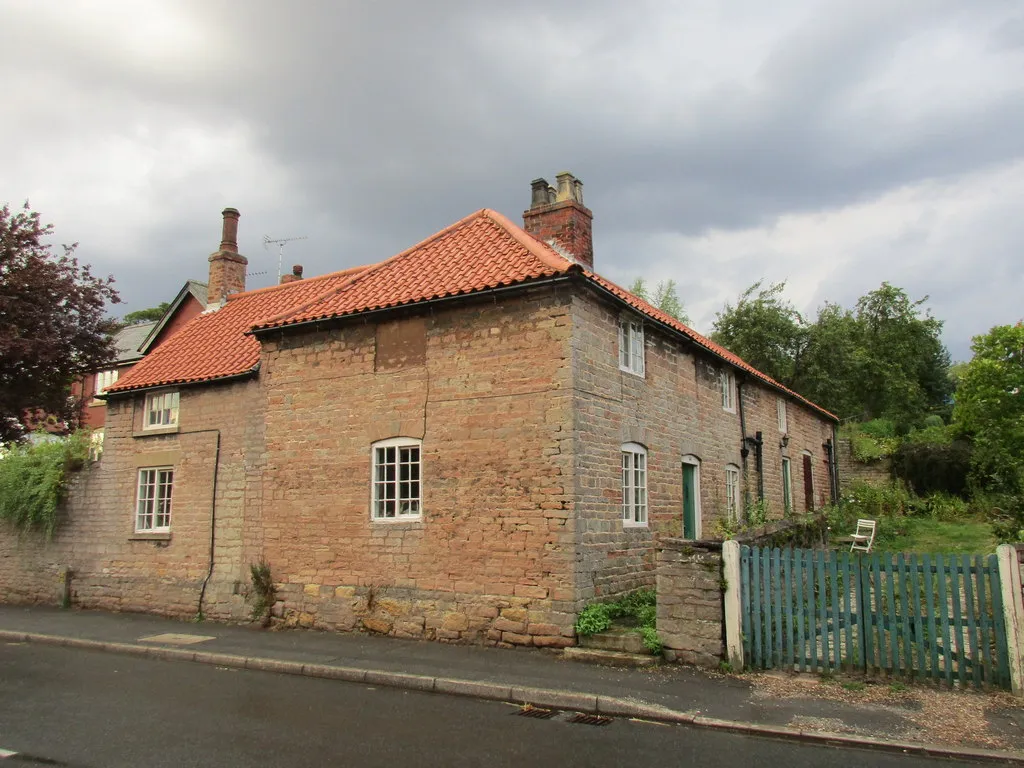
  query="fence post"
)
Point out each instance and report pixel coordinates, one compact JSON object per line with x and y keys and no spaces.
{"x":1013,"y":611}
{"x":733,"y":604}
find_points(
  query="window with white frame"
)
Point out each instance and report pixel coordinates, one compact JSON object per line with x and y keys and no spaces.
{"x":728,"y":381}
{"x":96,"y":445}
{"x":634,"y":484}
{"x":153,"y":500}
{"x":631,"y":345}
{"x":732,"y":493}
{"x":105,"y":379}
{"x":161,"y":410}
{"x":397,"y":479}
{"x":780,"y":406}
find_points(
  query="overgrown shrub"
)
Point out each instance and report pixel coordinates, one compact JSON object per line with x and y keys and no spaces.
{"x":263,"y":594}
{"x":1007,"y":516}
{"x":875,"y":501}
{"x":930,"y":467}
{"x":33,"y":480}
{"x":637,"y":608}
{"x":872,"y":440}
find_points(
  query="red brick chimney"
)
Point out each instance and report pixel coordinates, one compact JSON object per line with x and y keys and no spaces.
{"x":227,"y":266}
{"x":295,"y":275}
{"x":559,"y":218}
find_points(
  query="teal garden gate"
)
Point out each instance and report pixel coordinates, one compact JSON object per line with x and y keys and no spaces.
{"x":920,"y":617}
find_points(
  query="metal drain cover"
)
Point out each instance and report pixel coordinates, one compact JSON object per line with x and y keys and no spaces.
{"x":579,"y":717}
{"x":537,"y":712}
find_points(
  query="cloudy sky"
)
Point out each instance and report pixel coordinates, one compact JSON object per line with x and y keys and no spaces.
{"x":832,"y":144}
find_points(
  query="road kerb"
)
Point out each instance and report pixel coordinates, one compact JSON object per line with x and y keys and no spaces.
{"x":545,"y":697}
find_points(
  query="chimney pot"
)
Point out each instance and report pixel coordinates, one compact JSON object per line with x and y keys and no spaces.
{"x":295,"y":275}
{"x":559,"y":218}
{"x":227,"y":266}
{"x":229,"y":233}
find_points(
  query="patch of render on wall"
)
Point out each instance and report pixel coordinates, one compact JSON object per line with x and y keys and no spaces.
{"x":401,"y":344}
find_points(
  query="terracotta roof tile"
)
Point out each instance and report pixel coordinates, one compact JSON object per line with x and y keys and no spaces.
{"x":214,"y":345}
{"x":482,"y":251}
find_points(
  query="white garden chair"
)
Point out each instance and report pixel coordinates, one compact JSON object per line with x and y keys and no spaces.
{"x":864,"y":536}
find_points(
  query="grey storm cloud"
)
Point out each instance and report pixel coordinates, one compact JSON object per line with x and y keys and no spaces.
{"x":713,"y":138}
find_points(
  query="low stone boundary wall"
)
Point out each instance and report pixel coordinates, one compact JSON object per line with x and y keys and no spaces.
{"x":691,"y":621}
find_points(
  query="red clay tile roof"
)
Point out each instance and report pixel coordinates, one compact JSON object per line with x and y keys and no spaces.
{"x":482,"y":251}
{"x":214,"y":345}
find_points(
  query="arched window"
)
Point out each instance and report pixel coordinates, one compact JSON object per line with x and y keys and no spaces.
{"x":396,"y":479}
{"x":634,"y":485}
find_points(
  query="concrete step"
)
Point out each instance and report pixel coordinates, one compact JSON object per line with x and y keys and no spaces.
{"x":615,"y":639}
{"x":610,"y":658}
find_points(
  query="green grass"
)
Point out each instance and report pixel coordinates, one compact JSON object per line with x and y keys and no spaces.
{"x":964,"y":536}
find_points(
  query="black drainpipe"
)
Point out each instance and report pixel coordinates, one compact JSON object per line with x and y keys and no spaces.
{"x":213,"y":517}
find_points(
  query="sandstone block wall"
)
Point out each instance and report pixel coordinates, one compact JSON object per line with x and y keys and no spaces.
{"x":675,"y":411}
{"x":115,"y":568}
{"x":691,"y":622}
{"x":851,"y":469}
{"x":486,"y":387}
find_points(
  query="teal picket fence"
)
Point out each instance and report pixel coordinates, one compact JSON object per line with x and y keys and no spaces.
{"x":937,"y":617}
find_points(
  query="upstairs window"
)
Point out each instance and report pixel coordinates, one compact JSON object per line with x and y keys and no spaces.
{"x":728,"y":382}
{"x":634,"y":485}
{"x":161,"y":410}
{"x":397,"y":479}
{"x":631,"y":346}
{"x":105,"y":380}
{"x":153,"y":500}
{"x":780,"y":405}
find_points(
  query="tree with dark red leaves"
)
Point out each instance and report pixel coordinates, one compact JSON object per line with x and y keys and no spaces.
{"x":53,"y":324}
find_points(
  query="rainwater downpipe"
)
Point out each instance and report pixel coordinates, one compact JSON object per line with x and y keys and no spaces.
{"x":213,"y":517}
{"x":757,"y":442}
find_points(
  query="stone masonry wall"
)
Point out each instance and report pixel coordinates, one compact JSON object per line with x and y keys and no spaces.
{"x":851,"y":469}
{"x":674,"y":411}
{"x":485,"y":386}
{"x":691,"y":621}
{"x":113,"y":567}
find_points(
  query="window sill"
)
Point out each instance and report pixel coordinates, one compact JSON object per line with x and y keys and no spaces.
{"x":626,"y":525}
{"x":410,"y":521}
{"x":154,"y":536}
{"x":157,"y":431}
{"x":729,"y":410}
{"x":630,"y":371}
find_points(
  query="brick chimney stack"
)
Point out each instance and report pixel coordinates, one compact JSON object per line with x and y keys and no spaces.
{"x":227,"y":266}
{"x":558,"y":217}
{"x":295,"y":275}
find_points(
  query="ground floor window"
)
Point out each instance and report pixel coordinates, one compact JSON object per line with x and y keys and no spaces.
{"x":634,"y":484}
{"x":153,"y":501}
{"x":787,"y":486}
{"x":732,"y":493}
{"x":396,"y":479}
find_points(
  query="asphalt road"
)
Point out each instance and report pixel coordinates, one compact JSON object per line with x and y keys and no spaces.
{"x":94,"y":710}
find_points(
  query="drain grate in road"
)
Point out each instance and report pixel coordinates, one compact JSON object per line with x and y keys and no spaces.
{"x":579,"y":717}
{"x":537,"y":712}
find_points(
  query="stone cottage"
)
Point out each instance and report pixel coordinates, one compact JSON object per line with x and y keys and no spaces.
{"x":468,"y":441}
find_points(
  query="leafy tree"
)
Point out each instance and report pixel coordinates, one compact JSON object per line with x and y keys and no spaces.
{"x":903,"y":367}
{"x":52,"y":323}
{"x":990,"y":408}
{"x":146,"y":315}
{"x":884,"y":359}
{"x":764,"y":329}
{"x":665,"y":298}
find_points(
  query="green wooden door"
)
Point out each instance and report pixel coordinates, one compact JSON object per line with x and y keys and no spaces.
{"x":689,"y":501}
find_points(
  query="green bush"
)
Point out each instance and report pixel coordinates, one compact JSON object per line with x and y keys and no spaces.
{"x":930,"y":467}
{"x":865,"y":500}
{"x":593,"y":619}
{"x":33,"y":480}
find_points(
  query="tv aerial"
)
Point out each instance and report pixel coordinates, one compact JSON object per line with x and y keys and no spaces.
{"x":280,"y":243}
